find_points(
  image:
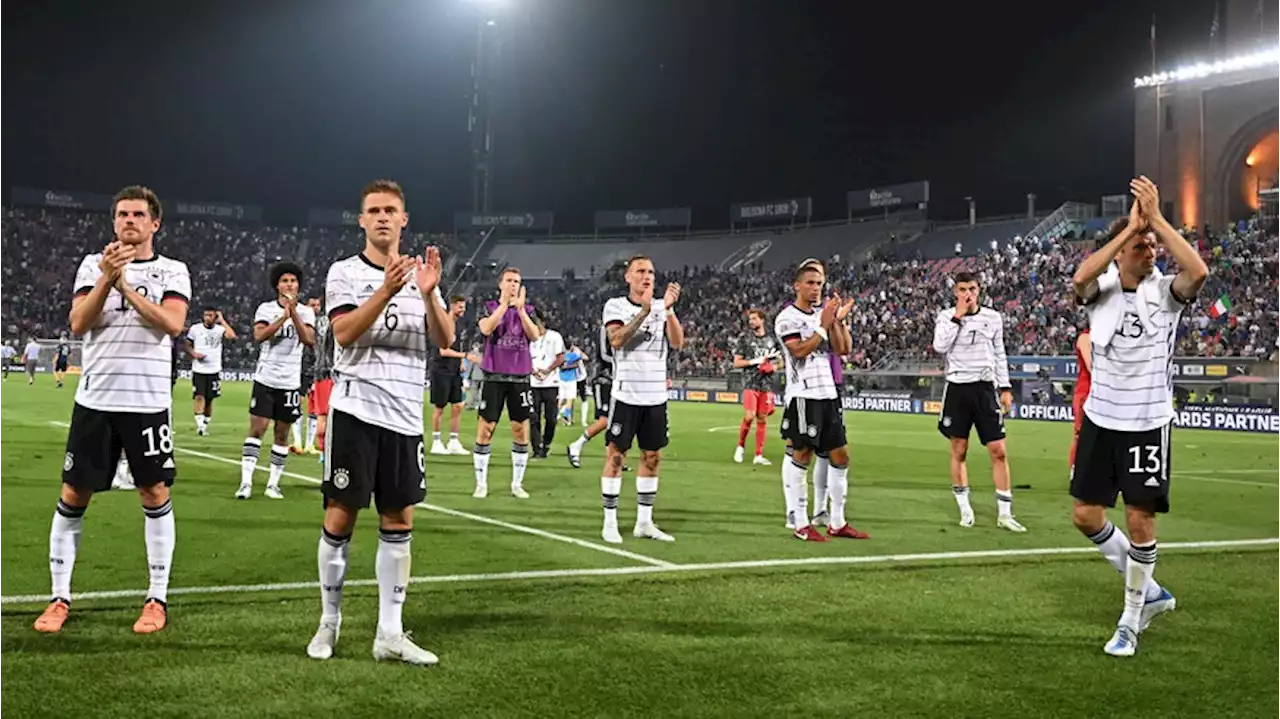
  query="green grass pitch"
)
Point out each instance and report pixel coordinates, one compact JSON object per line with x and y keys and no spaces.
{"x":533,"y":616}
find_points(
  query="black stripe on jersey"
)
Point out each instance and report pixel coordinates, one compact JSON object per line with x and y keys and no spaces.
{"x":174,"y":295}
{"x":340,"y":310}
{"x":84,"y":290}
{"x":1131,"y":389}
{"x":1153,"y":403}
{"x":614,"y":323}
{"x":788,"y":338}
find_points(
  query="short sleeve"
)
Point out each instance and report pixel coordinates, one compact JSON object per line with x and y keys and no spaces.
{"x":307,"y":315}
{"x":263,"y":314}
{"x":1169,"y":300}
{"x":788,"y":327}
{"x":87,"y":275}
{"x":559,"y":344}
{"x":191,"y":333}
{"x":178,"y":283}
{"x":339,"y":291}
{"x":614,"y":313}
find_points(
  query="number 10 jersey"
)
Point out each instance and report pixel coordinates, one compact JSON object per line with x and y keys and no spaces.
{"x":379,"y":377}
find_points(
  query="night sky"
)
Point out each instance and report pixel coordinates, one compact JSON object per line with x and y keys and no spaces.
{"x":612,"y":103}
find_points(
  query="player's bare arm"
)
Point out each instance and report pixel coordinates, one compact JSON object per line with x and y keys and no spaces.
{"x":190,"y":349}
{"x":620,"y":334}
{"x":227,"y":332}
{"x":841,"y":338}
{"x":1085,"y":346}
{"x":675,"y":331}
{"x":1092,"y":267}
{"x":440,"y":323}
{"x":1192,"y":271}
{"x":530,"y":329}
{"x":349,"y":326}
{"x":87,"y":309}
{"x":264,"y":331}
{"x":740,"y":362}
{"x":490,"y":323}
{"x":1002,"y":368}
{"x":169,"y":316}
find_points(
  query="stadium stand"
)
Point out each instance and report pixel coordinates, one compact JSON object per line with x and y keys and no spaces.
{"x":1026,"y":279}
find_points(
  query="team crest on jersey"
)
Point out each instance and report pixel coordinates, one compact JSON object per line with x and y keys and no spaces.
{"x":155,"y":275}
{"x":68,"y":462}
{"x":341,"y":478}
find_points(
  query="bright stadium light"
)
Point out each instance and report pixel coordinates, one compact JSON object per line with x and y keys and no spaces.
{"x":1205,"y":69}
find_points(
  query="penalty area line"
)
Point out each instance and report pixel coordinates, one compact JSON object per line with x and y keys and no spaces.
{"x":454,"y":513}
{"x":800,"y":563}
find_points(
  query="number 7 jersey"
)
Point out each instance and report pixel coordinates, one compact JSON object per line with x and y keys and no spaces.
{"x":127,"y":362}
{"x":379,"y":378}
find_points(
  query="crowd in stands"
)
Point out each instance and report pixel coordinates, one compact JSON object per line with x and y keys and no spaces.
{"x":892,"y":319}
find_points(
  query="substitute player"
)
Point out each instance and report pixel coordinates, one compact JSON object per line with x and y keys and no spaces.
{"x":1128,"y":415}
{"x":61,"y":358}
{"x":281,"y":327}
{"x":446,"y":385}
{"x":971,"y":338}
{"x":641,"y":330}
{"x":204,"y":343}
{"x":756,"y":354}
{"x":548,"y":357}
{"x":507,"y":363}
{"x":1084,"y":378}
{"x":322,"y":387}
{"x":129,"y":302}
{"x":31,"y":354}
{"x":382,"y":307}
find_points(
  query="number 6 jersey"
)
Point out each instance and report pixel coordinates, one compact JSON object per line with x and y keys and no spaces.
{"x":127,"y":362}
{"x":379,"y":377}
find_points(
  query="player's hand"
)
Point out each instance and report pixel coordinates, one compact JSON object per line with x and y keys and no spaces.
{"x":1006,"y":401}
{"x":198,"y":355}
{"x":672,"y":295}
{"x":519,"y":300}
{"x":964,"y":307}
{"x":428,"y":271}
{"x":396,"y":276}
{"x":221,"y":320}
{"x":828,"y":316}
{"x":845,"y":309}
{"x":1147,"y":196}
{"x":114,"y":258}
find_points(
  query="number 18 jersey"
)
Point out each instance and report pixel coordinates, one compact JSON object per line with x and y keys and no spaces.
{"x":378,"y":378}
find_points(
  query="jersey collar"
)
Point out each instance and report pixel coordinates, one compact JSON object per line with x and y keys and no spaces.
{"x":369,"y":262}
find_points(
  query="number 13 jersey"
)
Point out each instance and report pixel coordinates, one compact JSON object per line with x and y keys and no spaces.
{"x":127,"y":362}
{"x":379,"y":377}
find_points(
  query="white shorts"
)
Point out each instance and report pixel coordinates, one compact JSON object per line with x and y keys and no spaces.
{"x":568,"y":391}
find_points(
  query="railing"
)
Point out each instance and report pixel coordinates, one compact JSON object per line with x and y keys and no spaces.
{"x":1059,"y":222}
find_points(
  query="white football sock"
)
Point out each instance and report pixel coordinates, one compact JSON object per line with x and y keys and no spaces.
{"x":962,"y":498}
{"x":279,"y":453}
{"x":393,"y":564}
{"x":1004,"y":503}
{"x":199,"y":421}
{"x":585,"y":412}
{"x":839,"y":477}
{"x":435,"y":437}
{"x":249,"y":459}
{"x":332,"y":558}
{"x":311,"y":430}
{"x":646,"y":494}
{"x":1138,"y":572}
{"x":610,"y":487}
{"x":480,"y":460}
{"x":1114,"y":545}
{"x":820,"y":467}
{"x":295,"y":431}
{"x":64,"y":539}
{"x":519,"y":463}
{"x":161,"y":535}
{"x":797,"y":483}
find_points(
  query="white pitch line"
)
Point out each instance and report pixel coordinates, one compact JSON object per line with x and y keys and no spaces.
{"x":725,"y":428}
{"x":456,"y":513}
{"x":1223,"y":480}
{"x":800,"y":562}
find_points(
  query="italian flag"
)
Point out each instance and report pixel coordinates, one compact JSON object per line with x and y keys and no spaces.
{"x":1221,"y":307}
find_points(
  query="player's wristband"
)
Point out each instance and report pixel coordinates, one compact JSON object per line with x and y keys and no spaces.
{"x":821,"y":333}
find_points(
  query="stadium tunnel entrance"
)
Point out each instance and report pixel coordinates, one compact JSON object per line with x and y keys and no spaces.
{"x":1248,"y":165}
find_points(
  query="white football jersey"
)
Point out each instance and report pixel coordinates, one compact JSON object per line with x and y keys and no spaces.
{"x":640,"y":366}
{"x":544,"y":351}
{"x":973,"y":347}
{"x":208,"y":342}
{"x":127,"y":363}
{"x":280,"y":356}
{"x":810,"y":377}
{"x":1132,"y":388}
{"x":378,"y":378}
